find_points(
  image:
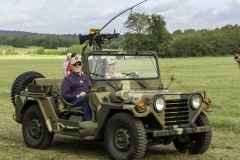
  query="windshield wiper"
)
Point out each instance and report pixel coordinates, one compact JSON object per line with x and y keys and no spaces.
{"x":133,"y":74}
{"x":101,"y":76}
{"x":98,"y":75}
{"x":139,"y":82}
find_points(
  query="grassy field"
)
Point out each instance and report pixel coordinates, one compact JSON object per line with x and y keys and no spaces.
{"x":219,"y":77}
{"x":23,"y":51}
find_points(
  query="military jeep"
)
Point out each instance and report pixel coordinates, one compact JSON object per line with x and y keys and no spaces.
{"x":128,"y":113}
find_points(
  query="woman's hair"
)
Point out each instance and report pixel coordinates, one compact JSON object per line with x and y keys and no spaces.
{"x":68,"y":55}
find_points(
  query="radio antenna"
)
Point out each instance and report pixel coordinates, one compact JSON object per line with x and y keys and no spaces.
{"x":121,"y":13}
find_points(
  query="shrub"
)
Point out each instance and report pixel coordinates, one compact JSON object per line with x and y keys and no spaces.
{"x":40,"y":51}
{"x":55,"y":53}
{"x":78,"y":48}
{"x":10,"y":51}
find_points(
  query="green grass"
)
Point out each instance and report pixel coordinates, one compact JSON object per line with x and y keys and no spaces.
{"x":22,"y":51}
{"x":219,"y":77}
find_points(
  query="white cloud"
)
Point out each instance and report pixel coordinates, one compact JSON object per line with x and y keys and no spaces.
{"x":238,"y":2}
{"x":74,"y":16}
{"x":106,"y":12}
{"x":22,"y":18}
{"x":181,"y":19}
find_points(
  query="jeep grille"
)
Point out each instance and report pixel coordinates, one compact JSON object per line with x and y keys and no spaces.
{"x":176,"y":112}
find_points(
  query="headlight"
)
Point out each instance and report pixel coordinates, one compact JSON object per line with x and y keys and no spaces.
{"x":196,"y":101}
{"x":123,"y":94}
{"x":159,"y":104}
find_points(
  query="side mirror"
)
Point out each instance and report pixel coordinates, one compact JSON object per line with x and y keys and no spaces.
{"x":172,"y":78}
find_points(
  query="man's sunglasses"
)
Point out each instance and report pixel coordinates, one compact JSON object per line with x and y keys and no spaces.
{"x":77,"y":64}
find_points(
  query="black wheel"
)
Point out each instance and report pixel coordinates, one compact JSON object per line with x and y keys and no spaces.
{"x":197,"y":143}
{"x":34,"y":129}
{"x":125,"y":137}
{"x":21,"y":83}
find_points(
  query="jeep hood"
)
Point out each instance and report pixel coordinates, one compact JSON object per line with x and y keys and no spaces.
{"x":137,"y":96}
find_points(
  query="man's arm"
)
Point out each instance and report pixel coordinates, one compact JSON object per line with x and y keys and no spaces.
{"x":66,"y":90}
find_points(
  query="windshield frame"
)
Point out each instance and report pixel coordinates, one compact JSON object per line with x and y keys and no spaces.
{"x":116,"y":54}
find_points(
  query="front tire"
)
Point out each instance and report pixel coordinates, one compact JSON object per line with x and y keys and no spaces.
{"x":199,"y":142}
{"x":34,"y":129}
{"x":125,"y":137}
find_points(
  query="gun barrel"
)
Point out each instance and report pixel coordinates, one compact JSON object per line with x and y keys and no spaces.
{"x":98,"y":37}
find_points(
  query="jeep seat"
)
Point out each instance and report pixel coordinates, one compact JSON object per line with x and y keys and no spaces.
{"x":67,"y":105}
{"x":52,"y":81}
{"x":56,"y":88}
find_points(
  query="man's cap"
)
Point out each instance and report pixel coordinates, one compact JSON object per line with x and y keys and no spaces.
{"x":76,"y":59}
{"x":110,"y":61}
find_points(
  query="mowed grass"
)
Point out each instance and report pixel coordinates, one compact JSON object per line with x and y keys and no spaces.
{"x":219,"y":77}
{"x":23,"y":51}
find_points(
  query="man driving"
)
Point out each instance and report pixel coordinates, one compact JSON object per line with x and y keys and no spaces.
{"x":110,"y":70}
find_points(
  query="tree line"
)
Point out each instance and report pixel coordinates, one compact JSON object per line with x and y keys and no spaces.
{"x":47,"y":41}
{"x":148,"y":32}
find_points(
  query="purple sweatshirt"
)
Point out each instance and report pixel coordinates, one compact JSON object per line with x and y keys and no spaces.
{"x":73,"y":85}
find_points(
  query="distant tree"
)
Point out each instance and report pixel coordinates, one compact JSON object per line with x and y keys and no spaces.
{"x":77,"y":48}
{"x":147,"y":32}
{"x":204,"y":42}
{"x":50,"y":42}
{"x":115,"y":43}
{"x":177,"y":32}
{"x":228,"y":26}
{"x":138,"y":23}
{"x":36,"y":39}
{"x":186,"y":31}
{"x":20,"y":41}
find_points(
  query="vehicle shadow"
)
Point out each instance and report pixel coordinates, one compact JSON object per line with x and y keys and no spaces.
{"x":96,"y":149}
{"x":68,"y":148}
{"x":80,"y":147}
{"x":160,"y":151}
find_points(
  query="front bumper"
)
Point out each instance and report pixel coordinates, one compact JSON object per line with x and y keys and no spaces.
{"x":179,"y":131}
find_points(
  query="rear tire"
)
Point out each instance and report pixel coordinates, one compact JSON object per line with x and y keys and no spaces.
{"x":125,"y":137}
{"x":199,"y":142}
{"x":34,"y":129}
{"x":21,"y":82}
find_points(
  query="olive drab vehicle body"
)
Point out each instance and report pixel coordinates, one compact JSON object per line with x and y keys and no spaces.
{"x":131,"y":109}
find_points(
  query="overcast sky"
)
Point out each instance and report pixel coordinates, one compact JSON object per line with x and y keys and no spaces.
{"x":78,"y":16}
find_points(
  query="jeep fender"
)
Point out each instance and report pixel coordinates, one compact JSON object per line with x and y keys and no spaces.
{"x":48,"y":113}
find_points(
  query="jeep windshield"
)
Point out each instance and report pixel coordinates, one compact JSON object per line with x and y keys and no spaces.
{"x":125,"y":66}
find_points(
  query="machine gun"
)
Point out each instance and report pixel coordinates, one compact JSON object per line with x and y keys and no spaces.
{"x":96,"y":39}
